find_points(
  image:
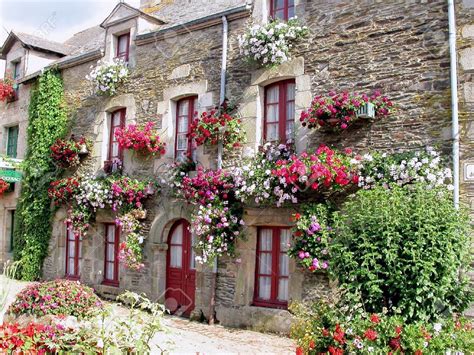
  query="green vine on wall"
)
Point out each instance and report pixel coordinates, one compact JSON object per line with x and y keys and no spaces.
{"x":47,"y":114}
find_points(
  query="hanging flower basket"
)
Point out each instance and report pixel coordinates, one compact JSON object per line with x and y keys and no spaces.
{"x":66,"y":152}
{"x":270,"y":44}
{"x":107,"y":76}
{"x":339,"y":110}
{"x":4,"y":186}
{"x":143,"y":139}
{"x":7,"y":91}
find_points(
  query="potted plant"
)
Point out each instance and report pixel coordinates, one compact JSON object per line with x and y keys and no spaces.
{"x":143,"y":139}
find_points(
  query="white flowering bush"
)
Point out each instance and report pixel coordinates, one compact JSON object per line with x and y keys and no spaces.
{"x":271,"y":44}
{"x":106,"y":76}
{"x":405,"y":168}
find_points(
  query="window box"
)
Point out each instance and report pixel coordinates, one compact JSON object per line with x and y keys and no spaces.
{"x":366,"y":111}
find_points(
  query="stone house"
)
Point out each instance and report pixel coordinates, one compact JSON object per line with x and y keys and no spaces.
{"x":175,"y":50}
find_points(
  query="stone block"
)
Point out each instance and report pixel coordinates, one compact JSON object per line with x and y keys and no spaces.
{"x":468,"y":31}
{"x":180,"y":72}
{"x":467,"y":58}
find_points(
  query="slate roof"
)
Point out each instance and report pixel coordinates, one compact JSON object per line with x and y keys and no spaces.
{"x":35,"y":42}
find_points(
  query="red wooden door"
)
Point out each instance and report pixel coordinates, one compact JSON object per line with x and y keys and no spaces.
{"x":180,"y":270}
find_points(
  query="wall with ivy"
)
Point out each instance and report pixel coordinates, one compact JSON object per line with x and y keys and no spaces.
{"x":48,"y":121}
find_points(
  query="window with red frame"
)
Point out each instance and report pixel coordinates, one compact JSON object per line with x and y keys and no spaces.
{"x":279,"y":122}
{"x":73,"y":255}
{"x":111,"y":262}
{"x":117,"y":120}
{"x":272,"y":266}
{"x":282,"y":9}
{"x":184,"y":116}
{"x":123,"y":47}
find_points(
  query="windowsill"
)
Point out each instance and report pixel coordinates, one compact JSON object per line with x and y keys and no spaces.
{"x":110,"y":283}
{"x":272,"y":305}
{"x":72,"y":278}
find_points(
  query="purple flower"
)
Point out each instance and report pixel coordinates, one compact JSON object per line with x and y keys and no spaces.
{"x":301,"y":254}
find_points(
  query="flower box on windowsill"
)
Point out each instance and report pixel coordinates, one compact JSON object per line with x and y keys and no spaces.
{"x":367,"y":110}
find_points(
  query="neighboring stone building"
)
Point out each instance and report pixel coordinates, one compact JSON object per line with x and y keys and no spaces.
{"x":175,"y":53}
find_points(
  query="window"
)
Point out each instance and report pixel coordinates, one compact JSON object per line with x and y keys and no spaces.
{"x":117,"y":120}
{"x":12,"y":141}
{"x":271,"y":280}
{"x":111,"y":262}
{"x":123,"y":46}
{"x":279,"y":122}
{"x":16,"y":70}
{"x":11,"y":230}
{"x":282,"y":9}
{"x":73,"y":255}
{"x":184,"y":117}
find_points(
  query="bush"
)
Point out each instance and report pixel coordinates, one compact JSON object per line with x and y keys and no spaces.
{"x":59,"y":297}
{"x":402,"y":249}
{"x":323,"y":329}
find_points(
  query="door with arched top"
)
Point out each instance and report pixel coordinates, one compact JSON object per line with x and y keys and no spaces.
{"x":180,"y":270}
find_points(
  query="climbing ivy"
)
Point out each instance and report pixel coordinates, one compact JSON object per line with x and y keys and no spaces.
{"x":48,"y":121}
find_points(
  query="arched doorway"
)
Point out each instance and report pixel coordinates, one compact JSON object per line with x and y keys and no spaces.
{"x":180,"y":270}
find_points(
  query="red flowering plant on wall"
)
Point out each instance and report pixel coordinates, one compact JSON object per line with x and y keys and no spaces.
{"x":63,"y":190}
{"x":4,"y":186}
{"x":7,"y":92}
{"x":217,"y":220}
{"x":311,"y":237}
{"x":142,"y":139}
{"x":339,"y":110}
{"x":66,"y":152}
{"x":207,"y":128}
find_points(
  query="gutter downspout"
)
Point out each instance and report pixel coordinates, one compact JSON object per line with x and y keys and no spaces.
{"x":220,"y":148}
{"x":454,"y":99}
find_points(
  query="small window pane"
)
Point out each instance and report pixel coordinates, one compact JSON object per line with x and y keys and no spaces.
{"x":291,"y":11}
{"x":272,"y":132}
{"x":177,"y":237}
{"x":183,"y":124}
{"x":183,"y":109}
{"x":110,"y":271}
{"x":280,"y":14}
{"x":72,"y":248}
{"x":111,"y":233}
{"x":70,"y":267}
{"x":264,"y":287}
{"x":265,"y":264}
{"x":123,"y":43}
{"x":176,"y":256}
{"x":110,"y":252}
{"x":283,"y":290}
{"x":284,"y":264}
{"x":273,"y":94}
{"x":192,"y":262}
{"x":182,"y":142}
{"x":266,"y":239}
{"x":278,"y":4}
{"x":272,"y":113}
{"x":284,"y":239}
{"x":290,"y":91}
{"x":116,"y":119}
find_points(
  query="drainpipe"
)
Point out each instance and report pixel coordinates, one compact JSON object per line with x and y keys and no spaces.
{"x":454,"y":100}
{"x":220,"y":148}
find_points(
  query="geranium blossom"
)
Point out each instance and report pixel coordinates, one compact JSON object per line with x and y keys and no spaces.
{"x":271,"y":44}
{"x":6,"y":89}
{"x":339,"y":109}
{"x":4,"y":186}
{"x":143,"y":139}
{"x":65,"y":152}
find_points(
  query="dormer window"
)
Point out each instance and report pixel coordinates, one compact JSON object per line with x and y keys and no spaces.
{"x":282,"y":9}
{"x":123,"y":46}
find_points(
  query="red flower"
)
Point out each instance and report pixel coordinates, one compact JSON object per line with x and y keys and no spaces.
{"x":312,"y":344}
{"x":297,"y":216}
{"x":299,"y":351}
{"x":335,"y":351}
{"x":395,"y":343}
{"x":418,"y":352}
{"x":339,"y":335}
{"x":375,"y":319}
{"x":370,"y":334}
{"x":398,"y":330}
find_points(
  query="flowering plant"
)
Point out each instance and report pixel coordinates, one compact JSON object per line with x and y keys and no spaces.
{"x":65,"y":153}
{"x":405,"y":168}
{"x":62,"y":191}
{"x":271,"y":44}
{"x":58,"y":297}
{"x":323,"y":329}
{"x":339,"y":110}
{"x":143,"y":139}
{"x":277,"y":174}
{"x":6,"y":89}
{"x":206,"y":129}
{"x":218,"y":219}
{"x":311,"y":237}
{"x":4,"y":186}
{"x":106,"y":76}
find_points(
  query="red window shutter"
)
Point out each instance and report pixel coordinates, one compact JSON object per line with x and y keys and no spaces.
{"x":272,"y":265}
{"x":279,"y":115}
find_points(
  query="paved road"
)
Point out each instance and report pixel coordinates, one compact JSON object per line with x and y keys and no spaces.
{"x":184,"y":337}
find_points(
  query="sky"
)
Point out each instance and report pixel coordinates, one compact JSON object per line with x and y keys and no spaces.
{"x":56,"y":20}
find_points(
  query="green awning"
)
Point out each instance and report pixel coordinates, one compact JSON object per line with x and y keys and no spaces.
{"x":10,"y":175}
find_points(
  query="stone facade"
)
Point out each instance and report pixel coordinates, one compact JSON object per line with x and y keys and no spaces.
{"x":399,"y":47}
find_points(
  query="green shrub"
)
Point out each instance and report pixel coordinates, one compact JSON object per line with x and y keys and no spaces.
{"x":323,"y":328}
{"x":59,"y":297}
{"x":402,"y":249}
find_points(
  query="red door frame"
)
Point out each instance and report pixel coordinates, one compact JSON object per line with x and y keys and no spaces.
{"x":192,"y":101}
{"x":77,"y":247}
{"x":273,"y":302}
{"x":282,"y":104}
{"x":182,"y":288}
{"x":115,"y":280}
